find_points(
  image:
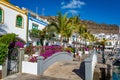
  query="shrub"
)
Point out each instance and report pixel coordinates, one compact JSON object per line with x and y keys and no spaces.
{"x":34,"y":33}
{"x":3,"y":52}
{"x":6,"y":39}
{"x":86,"y":49}
{"x":16,"y":44}
{"x":19,"y":44}
{"x":50,"y":50}
{"x":46,"y":51}
{"x":68,"y":49}
{"x":33,"y":59}
{"x":29,"y":50}
{"x":4,"y":43}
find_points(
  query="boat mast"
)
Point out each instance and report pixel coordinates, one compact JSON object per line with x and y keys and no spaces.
{"x":119,"y":38}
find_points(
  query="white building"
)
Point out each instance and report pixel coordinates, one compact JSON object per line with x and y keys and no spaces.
{"x":35,"y":22}
{"x":112,"y":41}
{"x":13,"y":20}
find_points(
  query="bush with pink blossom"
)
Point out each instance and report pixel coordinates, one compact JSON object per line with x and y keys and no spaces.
{"x":47,"y":51}
{"x":50,"y":50}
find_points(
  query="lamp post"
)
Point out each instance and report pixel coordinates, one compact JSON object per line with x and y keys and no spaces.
{"x":103,"y":54}
{"x":75,"y":36}
{"x":73,"y":43}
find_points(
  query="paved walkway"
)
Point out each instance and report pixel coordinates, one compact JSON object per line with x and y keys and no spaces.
{"x":67,"y":70}
{"x":25,"y":76}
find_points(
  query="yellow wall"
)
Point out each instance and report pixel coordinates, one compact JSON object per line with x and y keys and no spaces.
{"x":13,"y":7}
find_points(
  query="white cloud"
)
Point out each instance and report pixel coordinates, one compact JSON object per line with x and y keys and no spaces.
{"x":73,"y":4}
{"x":73,"y":12}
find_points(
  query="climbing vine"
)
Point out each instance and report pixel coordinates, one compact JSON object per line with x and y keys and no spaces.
{"x":4,"y":43}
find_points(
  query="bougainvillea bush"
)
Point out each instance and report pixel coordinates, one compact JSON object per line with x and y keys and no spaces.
{"x":50,"y":50}
{"x":47,"y":51}
{"x":16,"y":44}
{"x":86,"y":49}
{"x":33,"y":59}
{"x":29,"y":50}
{"x":19,"y":44}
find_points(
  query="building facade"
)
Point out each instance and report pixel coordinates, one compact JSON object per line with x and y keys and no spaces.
{"x":35,"y":23}
{"x":13,"y":20}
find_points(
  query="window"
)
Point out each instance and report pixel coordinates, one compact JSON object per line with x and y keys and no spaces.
{"x":19,"y":21}
{"x":34,"y":26}
{"x":38,"y":43}
{"x":1,"y":15}
{"x":110,"y":43}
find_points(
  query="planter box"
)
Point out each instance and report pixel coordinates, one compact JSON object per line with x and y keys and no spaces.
{"x":29,"y":67}
{"x":86,"y":52}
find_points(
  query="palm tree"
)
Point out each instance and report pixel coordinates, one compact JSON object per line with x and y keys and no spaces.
{"x":79,"y":28}
{"x":88,"y":37}
{"x":43,"y":35}
{"x":62,"y":27}
{"x":103,"y":41}
{"x":7,"y":0}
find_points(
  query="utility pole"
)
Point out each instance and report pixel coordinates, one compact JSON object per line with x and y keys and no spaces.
{"x":37,"y":12}
{"x":118,"y":40}
{"x":42,"y":11}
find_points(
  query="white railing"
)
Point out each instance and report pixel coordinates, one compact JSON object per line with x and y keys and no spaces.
{"x":90,"y":64}
{"x":59,"y":56}
{"x":41,"y":65}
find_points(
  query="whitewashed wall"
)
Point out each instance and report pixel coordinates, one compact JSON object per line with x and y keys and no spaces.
{"x":0,"y":67}
{"x":41,"y":65}
{"x":90,"y":64}
{"x":10,"y":22}
{"x":94,"y":62}
{"x":29,"y":67}
{"x":40,"y":27}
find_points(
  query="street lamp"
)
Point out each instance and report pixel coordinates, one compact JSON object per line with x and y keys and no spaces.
{"x":103,"y":55}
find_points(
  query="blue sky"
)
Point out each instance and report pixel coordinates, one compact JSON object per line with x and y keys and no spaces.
{"x":99,"y":11}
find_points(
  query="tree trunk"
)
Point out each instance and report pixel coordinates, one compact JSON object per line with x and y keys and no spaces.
{"x":61,"y":41}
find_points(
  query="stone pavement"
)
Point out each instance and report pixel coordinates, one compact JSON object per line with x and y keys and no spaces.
{"x":65,"y":70}
{"x":25,"y":76}
{"x":71,"y":70}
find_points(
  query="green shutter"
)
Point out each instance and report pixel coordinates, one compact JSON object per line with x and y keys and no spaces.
{"x":1,"y":14}
{"x":19,"y":21}
{"x":34,"y":26}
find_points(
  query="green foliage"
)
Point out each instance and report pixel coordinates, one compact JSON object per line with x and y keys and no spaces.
{"x":3,"y":52}
{"x":69,"y":49}
{"x":34,"y":33}
{"x":29,"y":50}
{"x":6,"y":39}
{"x":62,"y":26}
{"x":4,"y":43}
{"x":102,"y":42}
{"x":7,"y":0}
